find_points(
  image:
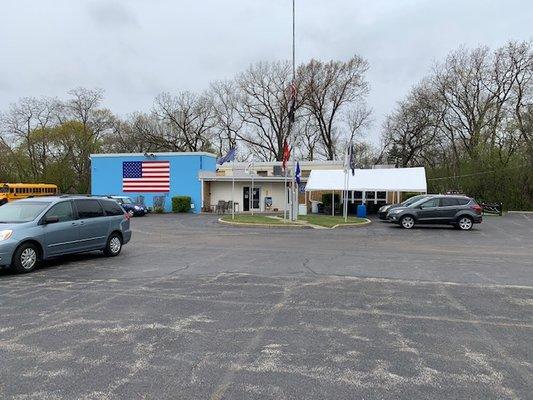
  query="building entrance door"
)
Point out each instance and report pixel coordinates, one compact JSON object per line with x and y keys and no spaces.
{"x":246,"y":198}
{"x":254,"y":200}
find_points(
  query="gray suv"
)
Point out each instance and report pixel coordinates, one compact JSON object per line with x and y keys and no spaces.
{"x":460,"y":211}
{"x":35,"y":229}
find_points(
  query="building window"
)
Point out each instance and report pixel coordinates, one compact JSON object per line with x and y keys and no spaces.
{"x":262,"y":173}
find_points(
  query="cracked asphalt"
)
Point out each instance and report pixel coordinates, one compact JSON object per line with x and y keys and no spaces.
{"x":195,"y":310}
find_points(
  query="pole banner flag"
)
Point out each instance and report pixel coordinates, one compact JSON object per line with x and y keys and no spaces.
{"x":286,"y":154}
{"x":228,"y":157}
{"x":298,"y":174}
{"x":353,"y":164}
{"x":292,"y":103}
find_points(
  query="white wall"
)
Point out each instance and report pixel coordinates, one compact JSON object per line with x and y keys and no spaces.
{"x":222,"y":191}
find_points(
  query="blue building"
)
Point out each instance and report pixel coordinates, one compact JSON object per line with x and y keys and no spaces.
{"x":153,"y":178}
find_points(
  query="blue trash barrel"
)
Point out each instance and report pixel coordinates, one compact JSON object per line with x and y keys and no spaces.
{"x":361,"y":211}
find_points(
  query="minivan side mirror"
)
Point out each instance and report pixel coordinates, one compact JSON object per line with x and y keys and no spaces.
{"x":52,"y":219}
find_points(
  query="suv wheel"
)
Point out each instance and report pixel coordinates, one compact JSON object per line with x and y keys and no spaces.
{"x":465,"y":223}
{"x":114,"y":245}
{"x":407,"y":222}
{"x":26,"y":258}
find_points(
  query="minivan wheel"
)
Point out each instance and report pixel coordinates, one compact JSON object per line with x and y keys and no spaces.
{"x":26,"y":258}
{"x":113,"y":246}
{"x":407,"y":222}
{"x":465,"y":223}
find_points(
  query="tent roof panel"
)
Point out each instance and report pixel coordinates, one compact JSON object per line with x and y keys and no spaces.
{"x":381,"y":179}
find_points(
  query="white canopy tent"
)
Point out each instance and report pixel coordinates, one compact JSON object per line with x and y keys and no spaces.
{"x":380,"y":179}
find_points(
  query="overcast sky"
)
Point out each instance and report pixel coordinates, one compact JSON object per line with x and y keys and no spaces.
{"x":135,"y":49}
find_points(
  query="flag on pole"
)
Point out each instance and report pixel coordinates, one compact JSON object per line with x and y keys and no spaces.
{"x":292,"y":104}
{"x":298,"y":174}
{"x":286,"y":154}
{"x":349,"y":159}
{"x":228,"y":157}
{"x":352,"y":159}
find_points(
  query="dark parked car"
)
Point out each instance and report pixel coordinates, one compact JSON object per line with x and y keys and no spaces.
{"x":460,"y":211}
{"x":133,"y":209}
{"x":35,"y":229}
{"x":384,"y":210}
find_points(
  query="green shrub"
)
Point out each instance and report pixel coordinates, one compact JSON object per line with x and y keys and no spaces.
{"x":181,"y":204}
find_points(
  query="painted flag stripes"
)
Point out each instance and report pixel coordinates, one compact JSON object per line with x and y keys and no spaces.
{"x":145,"y":176}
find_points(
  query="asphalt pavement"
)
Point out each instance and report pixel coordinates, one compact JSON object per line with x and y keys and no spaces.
{"x":197,"y":310}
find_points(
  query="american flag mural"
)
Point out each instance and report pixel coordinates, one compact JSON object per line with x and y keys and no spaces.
{"x":145,"y":176}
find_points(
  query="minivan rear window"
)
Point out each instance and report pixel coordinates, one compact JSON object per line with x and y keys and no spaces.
{"x":89,"y":209}
{"x":112,"y":208}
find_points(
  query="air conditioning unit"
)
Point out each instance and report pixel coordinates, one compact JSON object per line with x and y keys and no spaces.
{"x":277,"y":170}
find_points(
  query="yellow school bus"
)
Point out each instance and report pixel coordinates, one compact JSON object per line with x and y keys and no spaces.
{"x":17,"y":191}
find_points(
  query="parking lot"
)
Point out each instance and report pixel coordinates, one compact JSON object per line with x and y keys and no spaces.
{"x":195,"y":309}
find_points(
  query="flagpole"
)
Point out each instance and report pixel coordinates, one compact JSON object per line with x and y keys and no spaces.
{"x":285,"y":197}
{"x":252,"y":195}
{"x":294,"y":197}
{"x":294,"y":192}
{"x":233,"y":189}
{"x":345,"y":195}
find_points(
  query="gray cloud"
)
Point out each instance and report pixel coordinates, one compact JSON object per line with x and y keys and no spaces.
{"x":112,"y":14}
{"x":135,"y":49}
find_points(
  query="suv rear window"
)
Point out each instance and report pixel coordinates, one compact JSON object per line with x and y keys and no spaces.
{"x":448,"y":202}
{"x":89,"y":209}
{"x":111,"y":208}
{"x":463,"y":202}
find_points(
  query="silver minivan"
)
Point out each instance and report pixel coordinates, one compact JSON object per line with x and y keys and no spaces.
{"x":36,"y":229}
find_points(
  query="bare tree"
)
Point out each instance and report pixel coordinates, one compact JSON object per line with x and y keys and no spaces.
{"x":411,"y":132}
{"x":228,"y":122}
{"x":25,"y":127}
{"x":134,"y":134}
{"x":358,"y":119}
{"x":189,"y":119}
{"x":309,"y":138}
{"x":263,"y":105}
{"x":328,"y":89}
{"x":520,"y":110}
{"x":84,"y":107}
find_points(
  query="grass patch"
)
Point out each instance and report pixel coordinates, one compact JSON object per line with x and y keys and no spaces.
{"x":252,"y":219}
{"x":329,"y":220}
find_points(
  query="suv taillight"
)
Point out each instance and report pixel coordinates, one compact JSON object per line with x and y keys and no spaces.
{"x":477,"y":208}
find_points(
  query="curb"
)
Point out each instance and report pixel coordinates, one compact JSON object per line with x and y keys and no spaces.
{"x":252,"y":225}
{"x":318,"y":227}
{"x":367,"y":222}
